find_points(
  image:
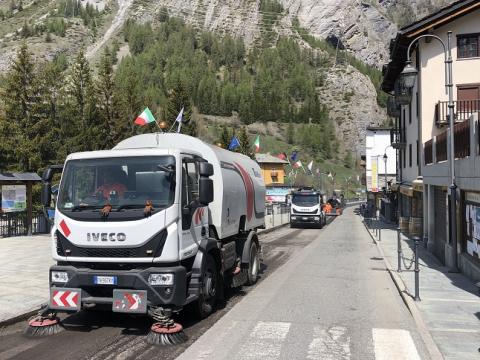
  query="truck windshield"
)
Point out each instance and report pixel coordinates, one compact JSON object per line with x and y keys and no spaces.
{"x":305,"y":200}
{"x":125,"y":183}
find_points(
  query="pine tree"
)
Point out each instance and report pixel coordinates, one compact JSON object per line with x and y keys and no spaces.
{"x":81,"y":99}
{"x":245,"y":147}
{"x":105,"y":89}
{"x":178,"y":98}
{"x":50,"y":130}
{"x":290,"y":133}
{"x":225,"y":137}
{"x":19,"y":96}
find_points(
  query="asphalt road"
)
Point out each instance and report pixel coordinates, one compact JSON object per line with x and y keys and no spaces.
{"x":333,"y":300}
{"x":104,"y":335}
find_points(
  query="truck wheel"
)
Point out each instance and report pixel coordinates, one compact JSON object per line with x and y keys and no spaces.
{"x":210,"y":288}
{"x":253,"y":264}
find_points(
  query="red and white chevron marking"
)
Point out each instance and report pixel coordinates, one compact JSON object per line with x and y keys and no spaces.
{"x":65,"y":298}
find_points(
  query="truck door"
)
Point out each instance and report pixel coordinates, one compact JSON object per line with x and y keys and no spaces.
{"x":194,"y":216}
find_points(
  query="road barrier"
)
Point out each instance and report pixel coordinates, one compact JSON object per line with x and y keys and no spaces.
{"x":277,"y":214}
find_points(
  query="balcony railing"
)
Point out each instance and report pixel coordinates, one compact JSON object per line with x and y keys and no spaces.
{"x":462,"y":139}
{"x":441,"y":147}
{"x":463,"y":109}
{"x":428,"y":151}
{"x":439,"y":144}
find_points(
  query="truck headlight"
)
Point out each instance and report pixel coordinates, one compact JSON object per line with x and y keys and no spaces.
{"x":59,"y":276}
{"x":294,"y":218}
{"x":316,"y":218}
{"x":160,"y":279}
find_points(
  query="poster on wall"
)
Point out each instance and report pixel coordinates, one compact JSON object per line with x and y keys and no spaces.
{"x":14,"y":198}
{"x":277,"y":194}
{"x":374,"y":181}
{"x":472,"y":226}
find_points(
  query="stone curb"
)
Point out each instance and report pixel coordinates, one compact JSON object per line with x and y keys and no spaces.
{"x":269,"y":230}
{"x":22,"y":316}
{"x":427,"y":338}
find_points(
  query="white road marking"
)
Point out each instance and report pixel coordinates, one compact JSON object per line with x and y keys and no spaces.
{"x":394,"y":344}
{"x":7,"y":354}
{"x":265,"y":341}
{"x":332,"y":344}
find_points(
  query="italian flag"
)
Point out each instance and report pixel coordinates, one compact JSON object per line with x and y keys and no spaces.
{"x":146,"y":117}
{"x":257,"y":143}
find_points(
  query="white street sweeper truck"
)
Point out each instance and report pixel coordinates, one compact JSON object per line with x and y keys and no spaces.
{"x":158,"y":222}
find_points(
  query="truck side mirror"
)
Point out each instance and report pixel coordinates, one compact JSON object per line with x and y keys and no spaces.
{"x":47,"y":174}
{"x":46,"y":195}
{"x":205,"y":186}
{"x":205,"y":169}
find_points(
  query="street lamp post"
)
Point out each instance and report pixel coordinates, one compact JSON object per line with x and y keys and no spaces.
{"x":385,"y":158}
{"x":409,"y":75}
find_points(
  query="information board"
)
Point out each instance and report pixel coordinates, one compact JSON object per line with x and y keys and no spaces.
{"x":14,"y":198}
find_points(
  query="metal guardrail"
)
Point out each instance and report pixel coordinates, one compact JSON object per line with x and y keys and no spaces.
{"x":276,"y":214}
{"x":15,"y":224}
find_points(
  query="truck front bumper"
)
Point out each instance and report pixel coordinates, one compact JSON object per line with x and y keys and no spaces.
{"x":172,"y":295}
{"x":306,"y":219}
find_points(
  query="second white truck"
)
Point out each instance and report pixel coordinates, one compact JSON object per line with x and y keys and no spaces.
{"x":306,"y":208}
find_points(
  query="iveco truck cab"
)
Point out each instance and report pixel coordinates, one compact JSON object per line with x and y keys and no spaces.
{"x":156,"y":223}
{"x":306,"y":208}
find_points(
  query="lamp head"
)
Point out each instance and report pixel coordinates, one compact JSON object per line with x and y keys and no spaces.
{"x":163,"y":125}
{"x":385,"y":157}
{"x":409,"y":74}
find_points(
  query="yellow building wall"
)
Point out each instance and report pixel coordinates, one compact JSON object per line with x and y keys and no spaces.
{"x":267,"y":170}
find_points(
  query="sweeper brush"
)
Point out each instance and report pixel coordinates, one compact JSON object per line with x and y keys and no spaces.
{"x":43,"y":325}
{"x":165,"y":331}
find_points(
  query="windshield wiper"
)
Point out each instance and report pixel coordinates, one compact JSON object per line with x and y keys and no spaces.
{"x":85,"y":207}
{"x":129,"y":206}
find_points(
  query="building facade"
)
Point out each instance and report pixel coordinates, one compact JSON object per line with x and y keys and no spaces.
{"x":423,"y":130}
{"x":273,"y":169}
{"x":380,"y":170}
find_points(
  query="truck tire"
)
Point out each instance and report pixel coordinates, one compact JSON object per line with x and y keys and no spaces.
{"x":253,"y":265}
{"x":209,"y":288}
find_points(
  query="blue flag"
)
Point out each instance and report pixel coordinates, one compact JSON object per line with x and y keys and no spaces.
{"x":293,"y":157}
{"x":234,"y":143}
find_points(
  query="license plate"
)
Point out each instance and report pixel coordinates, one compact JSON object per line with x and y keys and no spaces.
{"x":105,"y":280}
{"x":305,"y":218}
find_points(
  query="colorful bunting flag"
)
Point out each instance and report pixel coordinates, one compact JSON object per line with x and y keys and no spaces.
{"x":257,"y":143}
{"x":146,"y":117}
{"x":234,"y":143}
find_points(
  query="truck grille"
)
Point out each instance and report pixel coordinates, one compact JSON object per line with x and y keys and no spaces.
{"x":151,"y":249}
{"x":305,"y":212}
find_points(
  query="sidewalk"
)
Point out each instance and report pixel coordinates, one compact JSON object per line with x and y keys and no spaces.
{"x":449,"y":306}
{"x":24,"y":264}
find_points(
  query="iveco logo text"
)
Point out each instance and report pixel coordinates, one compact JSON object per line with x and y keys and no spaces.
{"x":106,"y":237}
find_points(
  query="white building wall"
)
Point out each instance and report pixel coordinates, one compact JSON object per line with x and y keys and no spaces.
{"x":377,"y":144}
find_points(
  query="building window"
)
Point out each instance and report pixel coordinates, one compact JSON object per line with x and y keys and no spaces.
{"x":404,"y":159}
{"x":417,"y":103}
{"x":467,"y":46}
{"x":410,"y":113}
{"x":418,"y":154}
{"x":410,"y":155}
